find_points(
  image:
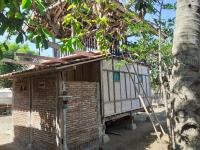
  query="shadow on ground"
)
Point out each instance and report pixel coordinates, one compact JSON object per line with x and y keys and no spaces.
{"x":143,"y":137}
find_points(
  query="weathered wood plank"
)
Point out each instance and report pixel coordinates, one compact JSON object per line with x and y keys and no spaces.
{"x":118,"y":107}
{"x":128,"y":86}
{"x":109,"y":109}
{"x":34,"y":56}
{"x":21,"y":62}
{"x":117,"y":90}
{"x":132,"y":88}
{"x":105,"y":86}
{"x":110,"y":75}
{"x":126,"y":106}
{"x":136,"y":104}
{"x":123,"y":88}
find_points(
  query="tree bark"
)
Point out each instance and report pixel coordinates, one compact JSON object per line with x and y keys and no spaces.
{"x":185,"y":81}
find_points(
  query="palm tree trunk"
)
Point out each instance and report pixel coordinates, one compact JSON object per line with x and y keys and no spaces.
{"x":185,"y":81}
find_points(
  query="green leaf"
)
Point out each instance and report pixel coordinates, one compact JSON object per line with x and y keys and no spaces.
{"x":3,"y":28}
{"x":38,"y":41}
{"x":80,"y":45}
{"x":70,"y":7}
{"x":68,"y":19}
{"x":18,"y":15}
{"x":26,"y":4}
{"x":46,"y":33}
{"x":20,"y":38}
{"x":2,"y":17}
{"x":5,"y":46}
{"x":40,"y":6}
{"x":73,"y":40}
{"x":30,"y":36}
{"x":169,"y":6}
{"x":45,"y":43}
{"x":103,"y":21}
{"x":1,"y":54}
{"x":68,"y":45}
{"x":2,"y":3}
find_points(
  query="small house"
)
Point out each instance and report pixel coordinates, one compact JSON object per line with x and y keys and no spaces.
{"x":64,"y":103}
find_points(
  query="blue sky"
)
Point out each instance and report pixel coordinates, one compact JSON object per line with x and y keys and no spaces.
{"x":165,"y":15}
{"x":169,"y":13}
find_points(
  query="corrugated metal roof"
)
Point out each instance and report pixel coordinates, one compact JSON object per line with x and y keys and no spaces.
{"x":78,"y":58}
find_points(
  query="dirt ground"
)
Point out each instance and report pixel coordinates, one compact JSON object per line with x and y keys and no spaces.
{"x":6,"y":134}
{"x":142,"y":138}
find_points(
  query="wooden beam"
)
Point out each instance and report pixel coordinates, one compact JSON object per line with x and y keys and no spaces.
{"x":84,"y":53}
{"x":21,"y":62}
{"x":114,"y":133}
{"x":79,"y":62}
{"x":49,"y":60}
{"x":54,"y":45}
{"x":33,"y":56}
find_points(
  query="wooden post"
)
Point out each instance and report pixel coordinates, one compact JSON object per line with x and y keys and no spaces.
{"x":102,"y":105}
{"x":12,"y":107}
{"x":63,"y":112}
{"x":58,"y":125}
{"x":30,"y":107}
{"x":113,"y":71}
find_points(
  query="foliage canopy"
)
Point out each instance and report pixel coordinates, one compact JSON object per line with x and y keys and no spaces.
{"x":10,"y":54}
{"x":22,"y":19}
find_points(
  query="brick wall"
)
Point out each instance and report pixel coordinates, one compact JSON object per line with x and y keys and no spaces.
{"x":39,"y":128}
{"x":81,"y":115}
{"x":44,"y":113}
{"x":21,"y":112}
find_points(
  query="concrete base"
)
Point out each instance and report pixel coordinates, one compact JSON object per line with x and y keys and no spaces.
{"x":128,"y":124}
{"x":101,"y":130}
{"x":29,"y":147}
{"x":141,"y":117}
{"x":106,"y":138}
{"x":131,"y":126}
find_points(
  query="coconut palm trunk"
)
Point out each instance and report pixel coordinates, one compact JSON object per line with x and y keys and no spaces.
{"x":185,"y":81}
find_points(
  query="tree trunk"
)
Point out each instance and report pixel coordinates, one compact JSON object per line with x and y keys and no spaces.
{"x":185,"y":81}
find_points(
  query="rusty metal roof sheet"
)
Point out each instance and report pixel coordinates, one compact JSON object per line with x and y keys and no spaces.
{"x":78,"y":58}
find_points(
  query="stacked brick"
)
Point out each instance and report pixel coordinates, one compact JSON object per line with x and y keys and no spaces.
{"x":81,"y":115}
{"x":35,"y":114}
{"x":21,"y":113}
{"x":35,"y":127}
{"x":44,"y":113}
